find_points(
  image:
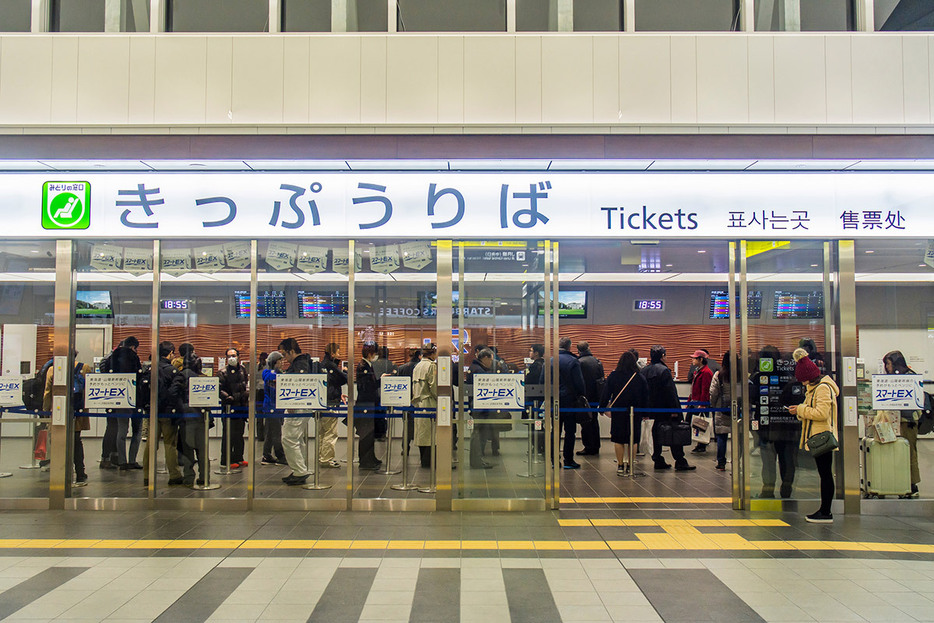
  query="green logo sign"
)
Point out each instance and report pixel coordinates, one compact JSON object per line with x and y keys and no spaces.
{"x":66,"y":205}
{"x":766,"y":365}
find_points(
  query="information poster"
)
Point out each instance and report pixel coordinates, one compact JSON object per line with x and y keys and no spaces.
{"x":498,"y":391}
{"x":768,"y":384}
{"x":395,"y":391}
{"x":897,"y":391}
{"x":204,"y":391}
{"x":110,"y":391}
{"x":302,"y":391}
{"x":11,"y":391}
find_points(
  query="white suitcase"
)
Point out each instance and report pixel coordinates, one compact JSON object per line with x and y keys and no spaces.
{"x":886,"y":468}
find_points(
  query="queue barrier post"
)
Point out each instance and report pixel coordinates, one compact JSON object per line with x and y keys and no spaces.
{"x":224,"y":470}
{"x":34,"y":464}
{"x":405,"y":485}
{"x":316,"y":484}
{"x":432,"y":483}
{"x":204,"y":459}
{"x":530,"y":421}
{"x":3,"y":474}
{"x":386,"y":471}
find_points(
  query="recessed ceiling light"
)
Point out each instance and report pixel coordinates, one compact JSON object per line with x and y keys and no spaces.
{"x":922,"y":265}
{"x":870,"y":251}
{"x":127,"y":301}
{"x":702,"y":250}
{"x":668,"y":265}
{"x":813,"y":265}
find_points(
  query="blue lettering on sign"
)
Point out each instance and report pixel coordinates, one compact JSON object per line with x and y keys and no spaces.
{"x":395,"y":387}
{"x":5,"y":387}
{"x":104,"y":393}
{"x":200,"y":388}
{"x":495,"y":394}
{"x":890,"y":395}
{"x":298,"y":394}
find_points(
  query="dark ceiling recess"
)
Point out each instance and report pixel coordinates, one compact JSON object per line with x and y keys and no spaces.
{"x":911,"y":15}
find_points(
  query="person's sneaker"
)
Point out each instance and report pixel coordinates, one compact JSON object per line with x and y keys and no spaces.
{"x":267,"y":460}
{"x":81,"y":478}
{"x":699,"y":449}
{"x":572,"y":465}
{"x":134,"y":465}
{"x":296,"y":480}
{"x":620,"y":471}
{"x":44,"y":462}
{"x":235,"y":466}
{"x":200,"y":482}
{"x":243,"y":463}
{"x":819,"y":517}
{"x":721,"y":467}
{"x":107,"y":465}
{"x":684,"y":467}
{"x":331,"y":463}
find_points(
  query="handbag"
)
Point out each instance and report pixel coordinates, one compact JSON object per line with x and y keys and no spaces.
{"x":700,"y":423}
{"x":675,"y":433}
{"x":583,"y":417}
{"x":822,"y":443}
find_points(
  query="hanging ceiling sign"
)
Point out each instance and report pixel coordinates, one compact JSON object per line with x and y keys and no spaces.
{"x":507,"y":205}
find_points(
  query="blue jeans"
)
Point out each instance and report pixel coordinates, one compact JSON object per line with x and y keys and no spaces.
{"x":722,"y":439}
{"x":124,"y":426}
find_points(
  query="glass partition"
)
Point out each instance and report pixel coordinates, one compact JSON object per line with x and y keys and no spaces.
{"x":451,"y":15}
{"x":894,"y":315}
{"x":804,"y":15}
{"x":27,"y":303}
{"x":905,"y":15}
{"x":78,"y":15}
{"x":676,"y":15}
{"x":15,"y":15}
{"x":788,"y":308}
{"x":217,"y":16}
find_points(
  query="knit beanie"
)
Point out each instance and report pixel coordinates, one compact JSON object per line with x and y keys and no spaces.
{"x":273,"y":359}
{"x":806,"y":371}
{"x":799,"y":354}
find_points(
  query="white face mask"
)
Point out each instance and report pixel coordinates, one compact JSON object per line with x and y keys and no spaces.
{"x":232,"y":361}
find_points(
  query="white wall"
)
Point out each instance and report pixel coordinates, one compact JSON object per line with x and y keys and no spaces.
{"x":408,"y":83}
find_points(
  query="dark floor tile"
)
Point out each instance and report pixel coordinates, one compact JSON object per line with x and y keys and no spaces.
{"x":35,"y":588}
{"x":529,"y":597}
{"x":344,"y":597}
{"x":699,"y":596}
{"x":437,"y":596}
{"x":202,"y":599}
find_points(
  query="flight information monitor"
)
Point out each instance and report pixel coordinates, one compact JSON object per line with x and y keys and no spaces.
{"x":321,"y":304}
{"x":270,"y":304}
{"x":798,"y":304}
{"x":720,"y":304}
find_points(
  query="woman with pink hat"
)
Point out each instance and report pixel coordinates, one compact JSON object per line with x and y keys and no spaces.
{"x":818,"y":414}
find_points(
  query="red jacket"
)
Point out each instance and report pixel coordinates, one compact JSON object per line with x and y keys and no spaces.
{"x":700,"y":386}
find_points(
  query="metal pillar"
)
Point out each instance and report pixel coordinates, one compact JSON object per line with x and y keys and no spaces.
{"x":629,"y":15}
{"x":275,"y":16}
{"x":41,"y":16}
{"x":847,"y":422}
{"x":351,"y":380}
{"x":865,"y":15}
{"x":252,"y":384}
{"x":441,"y":464}
{"x":745,"y":428}
{"x":62,"y":426}
{"x":152,"y":445}
{"x":740,"y":502}
{"x":157,"y":13}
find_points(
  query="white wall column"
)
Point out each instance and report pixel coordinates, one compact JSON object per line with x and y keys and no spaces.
{"x":41,"y":16}
{"x":565,"y":15}
{"x":747,"y":15}
{"x":865,"y":15}
{"x":275,"y":15}
{"x":510,"y":15}
{"x":157,"y":15}
{"x":392,"y":8}
{"x":344,"y":16}
{"x":114,"y":20}
{"x":629,"y":15}
{"x":790,"y":15}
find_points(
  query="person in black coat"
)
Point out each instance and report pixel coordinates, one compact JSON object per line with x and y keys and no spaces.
{"x":663,"y":395}
{"x":625,"y":388}
{"x":482,"y":364}
{"x":570,"y":389}
{"x":367,"y":386}
{"x":191,"y":433}
{"x":123,"y":360}
{"x":593,"y":373}
{"x":234,"y":381}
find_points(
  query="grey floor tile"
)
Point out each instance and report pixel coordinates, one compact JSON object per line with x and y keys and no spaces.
{"x":692,"y":596}
{"x":28,"y":591}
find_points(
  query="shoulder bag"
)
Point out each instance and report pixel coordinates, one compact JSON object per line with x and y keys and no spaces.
{"x":824,"y":441}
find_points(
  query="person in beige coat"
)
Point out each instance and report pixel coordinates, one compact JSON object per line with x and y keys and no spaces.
{"x":82,"y":422}
{"x":425,"y":396}
{"x":818,"y":414}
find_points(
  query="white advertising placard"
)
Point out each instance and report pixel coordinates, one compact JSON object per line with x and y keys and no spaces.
{"x":106,"y":257}
{"x":281,"y":256}
{"x":176,"y":262}
{"x":137,"y":261}
{"x":498,"y":391}
{"x":11,"y":391}
{"x":301,"y":391}
{"x":110,"y":391}
{"x":312,"y":260}
{"x":897,"y":391}
{"x":204,"y":391}
{"x":395,"y":391}
{"x":384,"y":259}
{"x":237,"y":254}
{"x":209,"y":259}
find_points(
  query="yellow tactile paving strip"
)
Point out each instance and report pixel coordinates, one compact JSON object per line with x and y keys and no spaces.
{"x":646,"y":500}
{"x":684,"y":537}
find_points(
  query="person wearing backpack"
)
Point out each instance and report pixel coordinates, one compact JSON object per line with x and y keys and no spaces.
{"x":82,"y":422}
{"x":894,"y":362}
{"x":168,"y":425}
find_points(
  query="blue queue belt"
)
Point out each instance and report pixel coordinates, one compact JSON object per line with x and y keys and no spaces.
{"x":25,"y":411}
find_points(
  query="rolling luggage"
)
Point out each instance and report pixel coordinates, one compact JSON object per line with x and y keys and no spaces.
{"x":886,"y":469}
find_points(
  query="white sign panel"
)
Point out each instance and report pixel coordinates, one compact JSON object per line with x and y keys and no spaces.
{"x":237,"y":254}
{"x":301,"y":391}
{"x":176,"y":262}
{"x":498,"y":391}
{"x":209,"y":259}
{"x":204,"y":391}
{"x":897,"y":391}
{"x":110,"y":391}
{"x":106,"y":257}
{"x":395,"y":391}
{"x":509,"y":205}
{"x":384,"y":259}
{"x":281,"y":256}
{"x":11,"y":391}
{"x":137,"y":261}
{"x":312,"y":260}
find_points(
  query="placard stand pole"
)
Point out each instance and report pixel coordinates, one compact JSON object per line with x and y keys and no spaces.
{"x":432,"y":487}
{"x":316,"y":485}
{"x":632,"y":446}
{"x":224,"y":470}
{"x":205,"y":461}
{"x":530,"y":473}
{"x":32,"y":451}
{"x":406,"y":485}
{"x":386,"y":463}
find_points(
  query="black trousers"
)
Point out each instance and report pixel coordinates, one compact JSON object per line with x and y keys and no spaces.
{"x":78,"y":454}
{"x":569,"y":427}
{"x":825,"y":471}
{"x":365,"y":431}
{"x":590,"y":434}
{"x":109,"y":442}
{"x":677,"y":452}
{"x":235,"y":427}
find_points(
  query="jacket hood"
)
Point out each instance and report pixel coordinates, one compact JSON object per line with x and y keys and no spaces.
{"x":828,"y":381}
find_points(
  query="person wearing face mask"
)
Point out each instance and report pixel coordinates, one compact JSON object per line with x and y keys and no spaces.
{"x":232,"y":380}
{"x":367,"y":385}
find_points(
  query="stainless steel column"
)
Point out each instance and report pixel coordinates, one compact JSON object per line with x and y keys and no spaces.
{"x":442,"y":464}
{"x":845,"y":308}
{"x":351,"y":381}
{"x":253,"y":380}
{"x":555,"y":337}
{"x":61,"y":428}
{"x":152,"y":443}
{"x":746,"y":426}
{"x":740,"y":502}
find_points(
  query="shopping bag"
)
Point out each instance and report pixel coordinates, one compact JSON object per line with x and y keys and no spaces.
{"x":884,"y":427}
{"x":42,"y":440}
{"x":701,"y":435}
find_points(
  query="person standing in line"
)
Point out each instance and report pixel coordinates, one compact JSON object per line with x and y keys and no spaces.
{"x":168,"y":426}
{"x":593,"y":373}
{"x":82,"y":422}
{"x":191,"y":438}
{"x":482,"y":364}
{"x":124,"y":360}
{"x":700,"y":386}
{"x":367,"y":386}
{"x":817,"y":413}
{"x":381,"y":367}
{"x":721,"y":398}
{"x":273,"y":452}
{"x":425,"y":396}
{"x":625,"y":388}
{"x":233,"y":381}
{"x":337,"y":378}
{"x":894,"y":362}
{"x":260,"y":397}
{"x":570,"y":389}
{"x":293,"y":428}
{"x":663,"y":395}
{"x":407,"y":369}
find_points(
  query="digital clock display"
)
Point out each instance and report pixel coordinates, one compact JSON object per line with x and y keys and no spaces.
{"x":175,"y":304}
{"x":648,"y":305}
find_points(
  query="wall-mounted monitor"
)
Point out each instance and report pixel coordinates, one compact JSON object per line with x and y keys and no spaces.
{"x":720,"y":304}
{"x":93,"y":304}
{"x":790,"y":304}
{"x":571,"y":304}
{"x":270,"y":304}
{"x":321,"y":304}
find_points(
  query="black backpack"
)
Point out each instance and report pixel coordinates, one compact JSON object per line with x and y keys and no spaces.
{"x":33,"y":392}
